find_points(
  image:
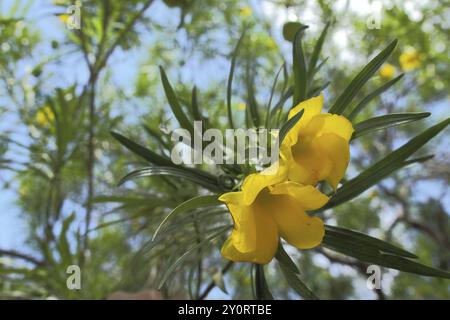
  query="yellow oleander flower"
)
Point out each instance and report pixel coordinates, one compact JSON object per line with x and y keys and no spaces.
{"x":45,"y":116}
{"x":387,"y":71}
{"x":410,"y":60}
{"x":64,"y":18}
{"x":269,"y":207}
{"x":317,"y":147}
{"x":245,"y":12}
{"x":242,"y":106}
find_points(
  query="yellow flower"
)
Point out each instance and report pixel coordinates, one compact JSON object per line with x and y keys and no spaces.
{"x":268,"y":207}
{"x":45,"y":116}
{"x":246,"y":12}
{"x":410,"y":60}
{"x":317,"y":147}
{"x":387,"y":71}
{"x":242,"y":106}
{"x":64,"y":18}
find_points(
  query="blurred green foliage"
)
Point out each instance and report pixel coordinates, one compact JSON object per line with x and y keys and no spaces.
{"x":59,"y":158}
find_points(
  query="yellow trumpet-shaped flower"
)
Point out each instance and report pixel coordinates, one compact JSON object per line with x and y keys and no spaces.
{"x":410,"y":60}
{"x":317,"y":147}
{"x":387,"y":71}
{"x":45,"y":116}
{"x":268,"y":207}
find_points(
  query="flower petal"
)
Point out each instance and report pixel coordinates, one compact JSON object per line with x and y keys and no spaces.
{"x":329,"y":123}
{"x":254,"y":183}
{"x":338,"y":152}
{"x":295,"y":226}
{"x":310,"y":164}
{"x":255,"y":235}
{"x":312,"y":108}
{"x":308,"y":197}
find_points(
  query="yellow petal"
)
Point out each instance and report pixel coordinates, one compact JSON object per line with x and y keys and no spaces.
{"x":254,"y":183}
{"x":255,"y":236}
{"x":338,"y":152}
{"x":312,"y":108}
{"x":310,"y":164}
{"x":329,"y":123}
{"x":308,"y":197}
{"x":295,"y":226}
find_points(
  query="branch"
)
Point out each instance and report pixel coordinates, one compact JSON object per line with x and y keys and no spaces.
{"x":212,"y":284}
{"x":16,"y":254}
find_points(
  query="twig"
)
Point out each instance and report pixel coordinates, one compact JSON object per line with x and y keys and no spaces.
{"x":16,"y":254}
{"x":212,"y":284}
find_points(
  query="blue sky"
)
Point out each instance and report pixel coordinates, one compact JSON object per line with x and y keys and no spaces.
{"x":126,"y":66}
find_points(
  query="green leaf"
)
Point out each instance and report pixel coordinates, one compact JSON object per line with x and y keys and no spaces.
{"x":205,"y":181}
{"x":262,"y":289}
{"x":295,"y":283}
{"x":353,"y":237}
{"x":177,"y":262}
{"x":272,"y":92}
{"x":316,"y":53}
{"x":195,"y":107}
{"x":299,"y":68}
{"x":251,"y":98}
{"x":141,"y":151}
{"x":194,"y":203}
{"x":279,"y":105}
{"x":230,"y":79}
{"x":386,"y":121}
{"x":392,"y":162}
{"x":343,"y":101}
{"x":175,"y":104}
{"x":63,"y":242}
{"x":284,"y":259}
{"x":369,"y":253}
{"x":289,"y":125}
{"x":364,"y":102}
{"x":161,"y":161}
{"x":291,"y":28}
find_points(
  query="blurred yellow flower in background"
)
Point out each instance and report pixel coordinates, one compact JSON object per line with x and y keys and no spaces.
{"x":245,"y":12}
{"x":242,"y":106}
{"x":63,"y":18}
{"x":387,"y":71}
{"x":269,"y":207}
{"x":45,"y":116}
{"x":317,"y":147}
{"x":410,"y":60}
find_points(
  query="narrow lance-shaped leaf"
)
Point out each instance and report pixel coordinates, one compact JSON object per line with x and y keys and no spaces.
{"x":386,"y":121}
{"x":159,"y":160}
{"x":195,"y":107}
{"x":252,"y":104}
{"x":370,"y":252}
{"x":358,"y":238}
{"x":365,"y":101}
{"x":392,"y":162}
{"x":316,"y":53}
{"x":177,"y":262}
{"x":230,"y":80}
{"x":343,"y":101}
{"x":272,"y":92}
{"x":297,"y":284}
{"x":289,"y":125}
{"x":141,"y":151}
{"x":299,"y":69}
{"x":197,"y":202}
{"x":261,"y":288}
{"x":283,"y":258}
{"x":208,"y":183}
{"x":175,"y":104}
